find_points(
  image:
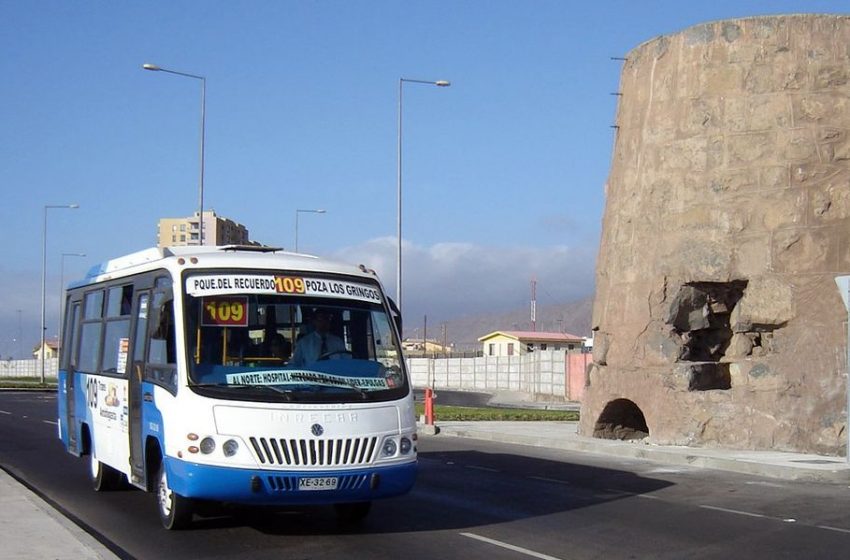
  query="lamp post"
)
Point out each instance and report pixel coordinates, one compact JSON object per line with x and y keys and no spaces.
{"x":20,"y":334}
{"x":62,"y":290}
{"x":44,"y":275}
{"x":319,"y":211}
{"x":155,"y":68}
{"x":401,"y":82}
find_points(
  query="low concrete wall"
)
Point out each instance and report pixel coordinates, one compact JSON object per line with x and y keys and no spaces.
{"x":543,"y":374}
{"x":28,"y":368}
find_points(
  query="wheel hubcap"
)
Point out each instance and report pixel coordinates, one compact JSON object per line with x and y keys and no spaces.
{"x":164,"y":494}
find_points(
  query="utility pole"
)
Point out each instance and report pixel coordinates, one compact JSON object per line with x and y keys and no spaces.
{"x":533,"y":304}
{"x":445,"y":338}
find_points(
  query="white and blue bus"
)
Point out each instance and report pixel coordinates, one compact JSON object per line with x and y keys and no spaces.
{"x":237,"y":374}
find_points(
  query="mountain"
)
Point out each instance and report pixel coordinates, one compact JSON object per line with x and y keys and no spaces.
{"x":463,"y":332}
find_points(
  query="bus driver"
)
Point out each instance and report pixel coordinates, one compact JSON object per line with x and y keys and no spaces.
{"x":318,"y":344}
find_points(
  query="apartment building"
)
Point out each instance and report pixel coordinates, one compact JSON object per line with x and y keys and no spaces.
{"x":218,"y":230}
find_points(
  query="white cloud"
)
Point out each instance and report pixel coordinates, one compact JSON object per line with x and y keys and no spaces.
{"x":449,"y":280}
{"x":443,"y":281}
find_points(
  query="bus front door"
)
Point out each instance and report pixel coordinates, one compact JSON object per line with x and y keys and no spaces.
{"x":135,"y":397}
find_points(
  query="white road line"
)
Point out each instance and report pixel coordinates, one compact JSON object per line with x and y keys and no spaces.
{"x":544,"y":479}
{"x":519,"y":549}
{"x":649,"y":497}
{"x":735,"y":511}
{"x":5,"y":412}
{"x":477,"y":468}
{"x":828,"y":528}
{"x":51,"y":422}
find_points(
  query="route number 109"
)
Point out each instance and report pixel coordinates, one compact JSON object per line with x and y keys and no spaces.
{"x":289,"y":285}
{"x":225,"y":311}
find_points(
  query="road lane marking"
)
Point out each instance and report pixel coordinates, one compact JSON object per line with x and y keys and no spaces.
{"x":51,"y":422}
{"x":477,"y":468}
{"x":515,"y":548}
{"x":544,"y":479}
{"x":5,"y":412}
{"x":735,"y":511}
{"x":828,"y":528}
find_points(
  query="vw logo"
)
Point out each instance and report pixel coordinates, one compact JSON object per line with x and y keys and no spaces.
{"x":317,"y":429}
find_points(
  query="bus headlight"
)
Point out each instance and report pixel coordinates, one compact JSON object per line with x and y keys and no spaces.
{"x":405,"y":446}
{"x":207,"y":445}
{"x":389,"y":448}
{"x":230,"y":448}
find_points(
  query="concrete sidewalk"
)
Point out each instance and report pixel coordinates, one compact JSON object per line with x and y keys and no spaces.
{"x":32,"y":528}
{"x":563,"y":435}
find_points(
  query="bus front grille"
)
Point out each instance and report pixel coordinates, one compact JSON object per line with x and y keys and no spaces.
{"x":314,"y":452}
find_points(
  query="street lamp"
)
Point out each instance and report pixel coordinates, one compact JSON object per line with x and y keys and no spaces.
{"x":20,"y":334}
{"x":401,"y":82}
{"x":155,"y":68}
{"x":44,"y":274}
{"x":296,"y":222}
{"x":62,"y":290}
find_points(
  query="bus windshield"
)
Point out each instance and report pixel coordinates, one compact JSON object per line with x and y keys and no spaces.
{"x":267,"y":336}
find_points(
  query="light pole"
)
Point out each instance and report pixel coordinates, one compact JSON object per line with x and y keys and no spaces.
{"x":155,"y":68}
{"x":401,"y":82}
{"x":44,"y":274}
{"x":62,"y":291}
{"x":20,"y":335}
{"x":296,"y":222}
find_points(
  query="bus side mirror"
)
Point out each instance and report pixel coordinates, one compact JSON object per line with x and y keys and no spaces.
{"x":396,"y":315}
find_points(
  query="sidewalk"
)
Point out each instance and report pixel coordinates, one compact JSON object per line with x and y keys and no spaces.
{"x":563,"y":435}
{"x":32,"y":528}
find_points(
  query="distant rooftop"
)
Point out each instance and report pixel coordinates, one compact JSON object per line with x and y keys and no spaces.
{"x":533,"y":336}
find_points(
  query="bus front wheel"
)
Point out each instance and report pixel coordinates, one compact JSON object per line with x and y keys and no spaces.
{"x":103,"y":477}
{"x":175,"y":511}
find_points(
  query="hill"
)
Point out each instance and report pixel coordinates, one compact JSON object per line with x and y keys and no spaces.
{"x":463,"y":332}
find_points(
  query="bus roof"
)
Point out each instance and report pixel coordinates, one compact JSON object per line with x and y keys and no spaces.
{"x":223,"y":256}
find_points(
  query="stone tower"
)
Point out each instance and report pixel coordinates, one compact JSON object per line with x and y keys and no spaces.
{"x":727,"y":217}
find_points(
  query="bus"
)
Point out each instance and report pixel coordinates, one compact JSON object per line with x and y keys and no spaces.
{"x":237,"y":374}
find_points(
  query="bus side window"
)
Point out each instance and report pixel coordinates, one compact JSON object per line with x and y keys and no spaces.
{"x":90,"y":335}
{"x":141,"y":329}
{"x":162,"y":345}
{"x":69,"y":346}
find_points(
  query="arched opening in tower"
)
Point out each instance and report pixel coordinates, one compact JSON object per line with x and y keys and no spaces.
{"x":621,"y":419}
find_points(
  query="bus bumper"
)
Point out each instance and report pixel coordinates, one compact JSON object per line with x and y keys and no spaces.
{"x":263,"y":487}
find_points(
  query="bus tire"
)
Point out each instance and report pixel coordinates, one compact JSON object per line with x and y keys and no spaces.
{"x":175,"y":511}
{"x":103,"y":477}
{"x":352,"y":513}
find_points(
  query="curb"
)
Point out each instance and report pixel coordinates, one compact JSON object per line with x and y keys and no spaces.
{"x":742,"y":462}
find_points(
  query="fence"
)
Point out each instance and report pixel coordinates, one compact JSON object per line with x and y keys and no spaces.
{"x":28,"y":368}
{"x":543,"y":374}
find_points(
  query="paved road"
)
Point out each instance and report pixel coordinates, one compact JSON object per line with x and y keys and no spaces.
{"x":474,"y":499}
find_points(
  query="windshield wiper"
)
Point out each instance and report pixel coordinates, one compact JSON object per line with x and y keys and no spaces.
{"x":225,"y":384}
{"x":288,"y":393}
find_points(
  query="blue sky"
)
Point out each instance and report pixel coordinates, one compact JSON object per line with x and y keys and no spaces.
{"x":503,"y":171}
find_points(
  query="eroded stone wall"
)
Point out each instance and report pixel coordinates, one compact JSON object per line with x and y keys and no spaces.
{"x":727,"y":218}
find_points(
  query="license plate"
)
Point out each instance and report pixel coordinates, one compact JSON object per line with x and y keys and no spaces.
{"x":318,"y":483}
